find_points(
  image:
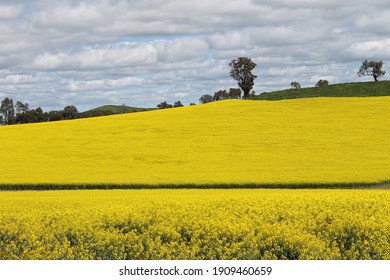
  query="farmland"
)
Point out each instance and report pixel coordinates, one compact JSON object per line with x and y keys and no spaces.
{"x":195,"y":224}
{"x":300,"y":141}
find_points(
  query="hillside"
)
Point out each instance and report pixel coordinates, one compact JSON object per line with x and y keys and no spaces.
{"x":363,"y":89}
{"x":119,"y":109}
{"x":312,"y":140}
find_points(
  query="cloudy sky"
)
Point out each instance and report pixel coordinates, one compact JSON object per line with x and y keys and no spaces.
{"x":143,"y":52}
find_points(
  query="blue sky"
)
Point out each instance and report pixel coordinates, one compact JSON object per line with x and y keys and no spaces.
{"x":140,"y":53}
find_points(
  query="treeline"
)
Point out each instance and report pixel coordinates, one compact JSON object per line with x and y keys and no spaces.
{"x":21,"y":113}
{"x":233,"y":93}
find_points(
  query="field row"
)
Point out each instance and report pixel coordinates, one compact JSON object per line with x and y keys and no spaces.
{"x":195,"y":224}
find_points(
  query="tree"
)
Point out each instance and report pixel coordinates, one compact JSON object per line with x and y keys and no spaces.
{"x":21,"y":107}
{"x":295,"y":85}
{"x":8,"y":111}
{"x":220,"y":95}
{"x":39,"y":115}
{"x":70,"y":112}
{"x":22,"y":110}
{"x":241,"y":71}
{"x":164,"y":105}
{"x":371,"y":68}
{"x":53,"y":116}
{"x":178,"y":104}
{"x":322,"y":83}
{"x":206,"y":98}
{"x":234,"y":93}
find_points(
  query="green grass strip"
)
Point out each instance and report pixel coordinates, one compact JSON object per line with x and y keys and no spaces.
{"x":42,"y":187}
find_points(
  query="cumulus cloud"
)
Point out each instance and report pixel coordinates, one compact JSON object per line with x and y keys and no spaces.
{"x":95,"y":52}
{"x":9,"y":11}
{"x":117,"y":55}
{"x":377,"y":49}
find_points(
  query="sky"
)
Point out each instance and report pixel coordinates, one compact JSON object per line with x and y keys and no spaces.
{"x":143,"y":52}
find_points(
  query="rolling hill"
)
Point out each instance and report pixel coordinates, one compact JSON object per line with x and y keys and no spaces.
{"x":119,"y":109}
{"x":363,"y":89}
{"x":298,"y":141}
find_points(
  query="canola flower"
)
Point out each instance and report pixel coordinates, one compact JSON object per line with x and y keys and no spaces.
{"x":195,"y":224}
{"x":313,"y":140}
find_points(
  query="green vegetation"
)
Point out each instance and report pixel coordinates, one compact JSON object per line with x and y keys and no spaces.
{"x":41,"y":187}
{"x":364,"y":89}
{"x":119,"y":109}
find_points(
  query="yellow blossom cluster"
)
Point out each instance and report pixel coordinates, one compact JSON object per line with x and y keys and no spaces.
{"x":312,"y":140}
{"x":195,"y":224}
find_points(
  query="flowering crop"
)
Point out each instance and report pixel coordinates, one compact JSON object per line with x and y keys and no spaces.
{"x":195,"y":224}
{"x":313,"y":140}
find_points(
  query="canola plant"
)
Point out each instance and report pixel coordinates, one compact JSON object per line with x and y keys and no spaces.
{"x":195,"y":224}
{"x":313,"y":140}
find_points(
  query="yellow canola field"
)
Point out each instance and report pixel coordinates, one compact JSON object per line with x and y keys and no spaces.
{"x":313,"y":140}
{"x":195,"y":224}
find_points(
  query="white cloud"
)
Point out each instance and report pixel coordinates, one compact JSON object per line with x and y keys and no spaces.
{"x":137,"y":52}
{"x":103,"y":85}
{"x":9,"y":11}
{"x":377,"y":49}
{"x":109,"y":56}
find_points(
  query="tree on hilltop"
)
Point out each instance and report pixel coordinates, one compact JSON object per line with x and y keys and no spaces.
{"x":371,"y":68}
{"x":234,"y":93}
{"x":178,"y":104}
{"x":206,"y":98}
{"x":295,"y":85}
{"x":164,"y":105}
{"x":322,"y":83}
{"x":220,"y":95}
{"x":241,"y":71}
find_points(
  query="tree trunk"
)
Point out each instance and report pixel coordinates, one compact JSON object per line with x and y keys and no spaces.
{"x":246,"y":93}
{"x":375,"y":78}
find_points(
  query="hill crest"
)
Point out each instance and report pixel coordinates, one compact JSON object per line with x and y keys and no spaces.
{"x":357,"y":89}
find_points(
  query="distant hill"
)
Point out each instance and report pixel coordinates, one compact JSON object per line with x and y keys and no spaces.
{"x":363,"y":89}
{"x":118,"y":109}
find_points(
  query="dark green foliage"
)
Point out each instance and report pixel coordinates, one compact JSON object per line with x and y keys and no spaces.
{"x":322,"y":83}
{"x":220,"y":95}
{"x":295,"y":85}
{"x":206,"y":98}
{"x":372,"y":68}
{"x":164,"y":105}
{"x":366,"y":89}
{"x":7,"y":111}
{"x":241,"y":71}
{"x":70,"y":113}
{"x":352,"y":185}
{"x":234,"y":93}
{"x":119,"y":109}
{"x":178,"y":104}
